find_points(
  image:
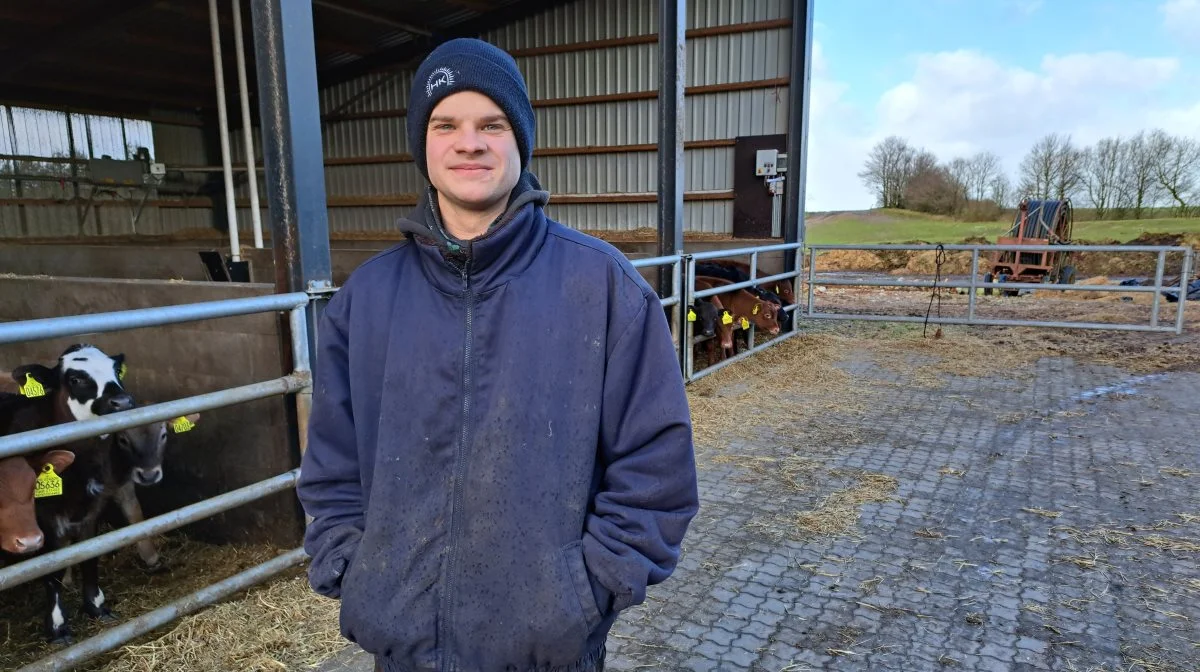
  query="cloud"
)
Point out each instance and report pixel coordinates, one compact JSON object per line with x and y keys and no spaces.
{"x":1181,"y":18}
{"x":960,"y":102}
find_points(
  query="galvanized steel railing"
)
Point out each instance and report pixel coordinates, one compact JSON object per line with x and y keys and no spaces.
{"x":973,"y":283}
{"x":298,"y":382}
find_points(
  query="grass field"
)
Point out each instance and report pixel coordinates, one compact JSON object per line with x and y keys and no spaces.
{"x":899,"y":226}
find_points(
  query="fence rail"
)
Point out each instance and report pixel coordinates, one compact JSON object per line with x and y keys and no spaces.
{"x":298,"y":383}
{"x":972,"y":284}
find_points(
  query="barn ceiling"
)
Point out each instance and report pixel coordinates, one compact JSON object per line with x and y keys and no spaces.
{"x":128,"y":56}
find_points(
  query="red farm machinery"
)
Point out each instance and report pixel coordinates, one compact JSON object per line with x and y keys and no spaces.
{"x":1038,"y":222}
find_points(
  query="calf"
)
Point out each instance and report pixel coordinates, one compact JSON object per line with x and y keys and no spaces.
{"x":19,"y":531}
{"x":738,"y":272}
{"x":783,"y":288}
{"x":704,"y":315}
{"x":85,"y":383}
{"x":764,"y":314}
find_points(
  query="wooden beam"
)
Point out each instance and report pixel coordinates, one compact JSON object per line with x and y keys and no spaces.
{"x":695,"y":33}
{"x":590,"y":100}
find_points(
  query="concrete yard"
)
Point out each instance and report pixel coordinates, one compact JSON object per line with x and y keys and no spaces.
{"x":1042,"y":519}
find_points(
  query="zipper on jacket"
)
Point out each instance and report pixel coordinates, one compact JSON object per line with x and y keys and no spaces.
{"x":448,"y":661}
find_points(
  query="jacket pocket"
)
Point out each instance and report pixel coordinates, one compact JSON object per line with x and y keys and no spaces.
{"x":582,"y":582}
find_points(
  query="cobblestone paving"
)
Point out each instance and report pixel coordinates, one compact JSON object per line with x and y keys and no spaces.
{"x":1050,"y":524}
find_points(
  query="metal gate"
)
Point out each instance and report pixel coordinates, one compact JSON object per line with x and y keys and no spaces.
{"x":296,"y":384}
{"x":972,"y":284}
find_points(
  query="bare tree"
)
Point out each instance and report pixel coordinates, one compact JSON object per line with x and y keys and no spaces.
{"x":1036,"y":173}
{"x":1069,"y":165}
{"x":1176,"y":168}
{"x":1053,"y":167}
{"x":1000,"y":190}
{"x":1138,"y":188}
{"x":983,"y":168}
{"x":1102,"y":172}
{"x":888,"y":168}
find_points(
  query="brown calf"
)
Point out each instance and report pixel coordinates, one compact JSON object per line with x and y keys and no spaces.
{"x":764,"y":314}
{"x":19,"y":531}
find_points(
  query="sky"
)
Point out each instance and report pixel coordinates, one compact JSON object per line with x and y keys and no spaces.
{"x":960,"y":76}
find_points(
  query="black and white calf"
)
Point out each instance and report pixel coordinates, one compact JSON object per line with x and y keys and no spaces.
{"x":86,"y":383}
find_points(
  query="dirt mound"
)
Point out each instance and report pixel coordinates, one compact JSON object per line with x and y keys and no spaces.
{"x":924,"y":262}
{"x":849,"y":260}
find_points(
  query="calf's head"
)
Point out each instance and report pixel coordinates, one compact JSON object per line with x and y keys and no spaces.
{"x":19,"y":531}
{"x":86,"y":380}
{"x":141,"y":449}
{"x":706,"y":317}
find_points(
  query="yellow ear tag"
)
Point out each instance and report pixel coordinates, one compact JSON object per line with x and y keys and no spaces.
{"x":181,"y":424}
{"x":726,"y":318}
{"x":691,"y":315}
{"x":754,"y":311}
{"x":745,"y":323}
{"x":121,"y":372}
{"x":48,"y":484}
{"x":32,"y":388}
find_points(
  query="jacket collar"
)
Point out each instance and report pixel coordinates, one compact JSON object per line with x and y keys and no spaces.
{"x":507,"y":249}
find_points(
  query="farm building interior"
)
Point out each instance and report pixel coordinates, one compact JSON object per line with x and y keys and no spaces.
{"x":119,"y":172}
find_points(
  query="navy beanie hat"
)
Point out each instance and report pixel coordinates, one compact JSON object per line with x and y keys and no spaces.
{"x":468,"y":64}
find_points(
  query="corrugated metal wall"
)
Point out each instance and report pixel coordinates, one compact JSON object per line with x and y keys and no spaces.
{"x":750,"y":56}
{"x":370,"y":181}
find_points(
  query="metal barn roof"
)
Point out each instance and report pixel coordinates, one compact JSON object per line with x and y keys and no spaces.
{"x":127,"y":56}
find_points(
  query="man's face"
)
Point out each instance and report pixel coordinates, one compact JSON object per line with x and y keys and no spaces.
{"x":471,"y":151}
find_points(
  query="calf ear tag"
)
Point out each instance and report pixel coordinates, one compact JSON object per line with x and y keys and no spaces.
{"x":48,"y":484}
{"x":726,"y":318}
{"x":754,"y":311}
{"x":121,"y":372}
{"x":691,"y":315}
{"x":32,"y":388}
{"x":745,"y":323}
{"x":181,"y":424}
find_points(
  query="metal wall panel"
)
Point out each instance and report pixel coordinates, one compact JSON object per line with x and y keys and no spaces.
{"x":698,"y":216}
{"x":632,"y":172}
{"x":373,"y":180}
{"x":579,"y":22}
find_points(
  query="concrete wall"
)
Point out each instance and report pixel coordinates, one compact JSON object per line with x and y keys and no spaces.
{"x":230,"y":447}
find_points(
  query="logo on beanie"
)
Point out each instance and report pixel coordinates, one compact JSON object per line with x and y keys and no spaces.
{"x":439,"y":77}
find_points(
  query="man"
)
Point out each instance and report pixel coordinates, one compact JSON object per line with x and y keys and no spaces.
{"x":500,"y":451}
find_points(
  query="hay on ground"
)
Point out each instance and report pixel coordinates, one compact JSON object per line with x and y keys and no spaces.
{"x":838,"y":514}
{"x":280,"y":626}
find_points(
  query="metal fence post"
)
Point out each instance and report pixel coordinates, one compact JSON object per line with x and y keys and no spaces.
{"x":800,"y":70}
{"x":686,"y":274}
{"x":1158,"y":281}
{"x":293,"y":158}
{"x":974,"y":280}
{"x":1185,"y":276}
{"x":672,"y":54}
{"x":812,"y":277}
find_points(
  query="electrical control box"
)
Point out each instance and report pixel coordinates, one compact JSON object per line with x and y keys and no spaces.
{"x":766,"y":162}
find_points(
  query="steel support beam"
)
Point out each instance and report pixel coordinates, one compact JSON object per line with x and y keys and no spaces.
{"x":797,"y":132}
{"x":672,"y":54}
{"x":289,"y":108}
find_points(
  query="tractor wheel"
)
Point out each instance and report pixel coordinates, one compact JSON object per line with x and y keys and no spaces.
{"x":988,"y":277}
{"x":1067,"y":276}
